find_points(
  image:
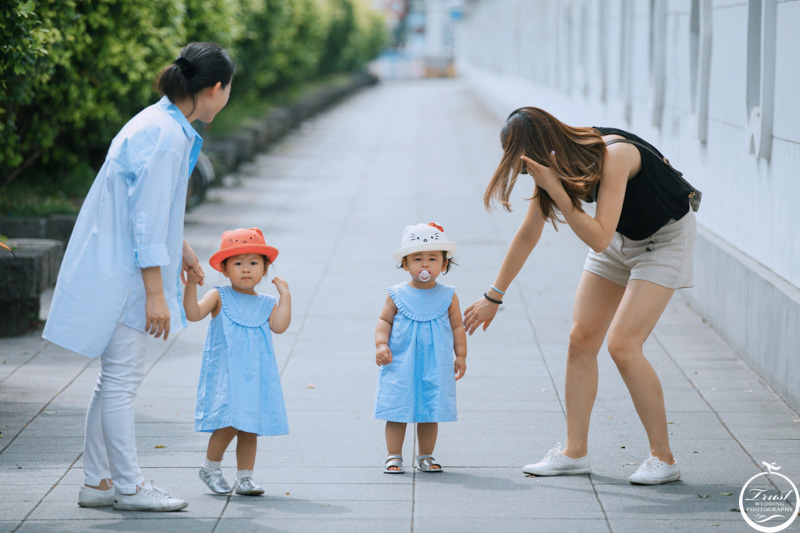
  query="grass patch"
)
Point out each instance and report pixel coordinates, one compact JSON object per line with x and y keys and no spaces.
{"x":22,"y":200}
{"x":44,"y":197}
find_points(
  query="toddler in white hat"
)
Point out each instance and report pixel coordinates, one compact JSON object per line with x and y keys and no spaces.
{"x":419,"y":330}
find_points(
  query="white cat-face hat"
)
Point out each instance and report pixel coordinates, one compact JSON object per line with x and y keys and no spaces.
{"x":424,"y":238}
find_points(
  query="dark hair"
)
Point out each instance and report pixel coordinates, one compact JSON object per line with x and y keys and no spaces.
{"x":199,"y":65}
{"x":534,"y":133}
{"x":450,"y":262}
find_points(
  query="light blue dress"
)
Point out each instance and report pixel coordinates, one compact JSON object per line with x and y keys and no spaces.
{"x":239,"y":381}
{"x":419,"y":384}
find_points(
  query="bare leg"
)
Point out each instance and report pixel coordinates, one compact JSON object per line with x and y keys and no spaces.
{"x":427,"y":434}
{"x":596,"y":301}
{"x":395,"y":435}
{"x":641,"y":307}
{"x":105,"y":484}
{"x":246,"y":446}
{"x":218,"y":443}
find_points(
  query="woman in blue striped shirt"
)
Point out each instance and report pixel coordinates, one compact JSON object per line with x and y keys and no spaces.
{"x":119,"y":278}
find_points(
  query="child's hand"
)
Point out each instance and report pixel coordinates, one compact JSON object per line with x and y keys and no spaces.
{"x":192,"y":277}
{"x":460,"y":367}
{"x":383,"y":355}
{"x":191,"y":263}
{"x":281,"y":285}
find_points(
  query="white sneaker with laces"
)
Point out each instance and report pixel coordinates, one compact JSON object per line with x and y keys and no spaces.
{"x":655,"y":472}
{"x":555,"y":463}
{"x":148,"y":498}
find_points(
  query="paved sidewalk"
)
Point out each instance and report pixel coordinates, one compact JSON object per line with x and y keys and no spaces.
{"x":333,"y":198}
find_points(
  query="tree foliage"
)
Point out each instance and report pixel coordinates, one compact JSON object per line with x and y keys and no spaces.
{"x":73,"y":71}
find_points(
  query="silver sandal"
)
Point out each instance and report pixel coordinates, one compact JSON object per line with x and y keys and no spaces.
{"x":393,"y":460}
{"x":425,"y":463}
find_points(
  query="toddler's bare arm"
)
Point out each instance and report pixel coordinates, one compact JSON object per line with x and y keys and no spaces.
{"x":459,"y":338}
{"x":281,"y":315}
{"x":198,"y":310}
{"x":383,"y":355}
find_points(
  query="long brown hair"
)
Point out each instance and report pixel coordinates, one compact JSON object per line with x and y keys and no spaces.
{"x":534,"y":133}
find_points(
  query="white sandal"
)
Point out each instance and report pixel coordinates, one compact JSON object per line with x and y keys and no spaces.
{"x":394,"y":460}
{"x":425,"y":463}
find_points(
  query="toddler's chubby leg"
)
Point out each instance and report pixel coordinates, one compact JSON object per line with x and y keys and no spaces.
{"x":219,"y":441}
{"x":427,"y":434}
{"x":246,"y":446}
{"x":395,"y":435}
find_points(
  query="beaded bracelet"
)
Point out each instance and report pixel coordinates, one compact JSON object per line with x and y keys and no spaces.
{"x":498,"y":291}
{"x":498,"y":302}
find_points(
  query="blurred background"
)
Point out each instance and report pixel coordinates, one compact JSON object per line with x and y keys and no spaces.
{"x":711,"y":83}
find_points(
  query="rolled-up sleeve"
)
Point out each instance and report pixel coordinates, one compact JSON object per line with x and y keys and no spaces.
{"x":150,"y":199}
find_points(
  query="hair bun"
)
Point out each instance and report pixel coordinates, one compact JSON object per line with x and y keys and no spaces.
{"x":185,"y":66}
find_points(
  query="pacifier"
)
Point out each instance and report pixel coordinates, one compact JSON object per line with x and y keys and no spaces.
{"x":424,"y":275}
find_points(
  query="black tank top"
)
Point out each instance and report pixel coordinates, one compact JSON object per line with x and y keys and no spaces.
{"x":653,"y":196}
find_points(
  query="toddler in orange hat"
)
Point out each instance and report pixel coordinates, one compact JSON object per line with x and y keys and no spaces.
{"x":239,"y":394}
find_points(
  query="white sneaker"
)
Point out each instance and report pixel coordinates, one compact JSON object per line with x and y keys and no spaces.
{"x":89,"y":497}
{"x":148,"y":498}
{"x":655,"y":472}
{"x":555,"y":463}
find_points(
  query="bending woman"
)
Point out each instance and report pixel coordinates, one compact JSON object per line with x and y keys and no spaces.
{"x":642,"y":246}
{"x":119,"y":277}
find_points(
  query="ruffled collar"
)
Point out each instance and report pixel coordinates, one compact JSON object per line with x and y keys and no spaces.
{"x":422,"y":304}
{"x":247,"y":310}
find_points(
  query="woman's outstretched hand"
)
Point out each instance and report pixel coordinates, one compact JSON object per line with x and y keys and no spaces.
{"x":480,"y":312}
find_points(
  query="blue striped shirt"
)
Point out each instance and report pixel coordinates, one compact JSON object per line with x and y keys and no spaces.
{"x":131,"y":219}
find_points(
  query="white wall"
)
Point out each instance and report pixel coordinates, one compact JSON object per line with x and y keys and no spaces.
{"x":591,"y":62}
{"x":685,"y":84}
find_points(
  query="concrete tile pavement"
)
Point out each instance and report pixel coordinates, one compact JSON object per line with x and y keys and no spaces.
{"x":333,"y":198}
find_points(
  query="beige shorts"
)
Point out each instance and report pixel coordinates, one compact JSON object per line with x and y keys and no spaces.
{"x":665,"y":258}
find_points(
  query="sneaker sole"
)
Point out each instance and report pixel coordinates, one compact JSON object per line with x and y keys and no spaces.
{"x":659,"y":482}
{"x":562,"y":473}
{"x":95,"y":504}
{"x":151,"y":509}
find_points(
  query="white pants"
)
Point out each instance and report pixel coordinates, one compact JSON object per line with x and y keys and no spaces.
{"x":109,"y":449}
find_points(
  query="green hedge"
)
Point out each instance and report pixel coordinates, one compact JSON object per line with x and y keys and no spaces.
{"x":73,"y":71}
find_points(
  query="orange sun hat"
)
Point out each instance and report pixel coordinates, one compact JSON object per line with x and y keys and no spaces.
{"x":242,"y":241}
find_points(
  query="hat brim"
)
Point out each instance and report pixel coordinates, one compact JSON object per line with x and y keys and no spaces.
{"x":441,"y":246}
{"x":260,"y":249}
